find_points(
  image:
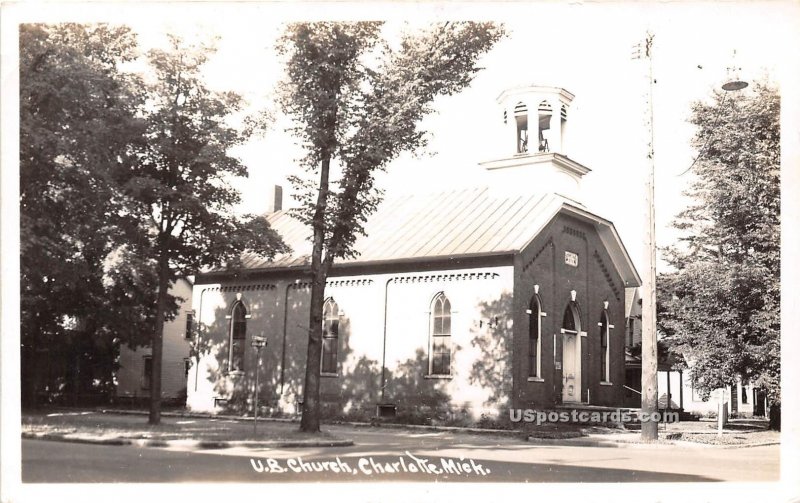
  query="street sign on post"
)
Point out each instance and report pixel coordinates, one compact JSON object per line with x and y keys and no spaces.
{"x":258,"y":342}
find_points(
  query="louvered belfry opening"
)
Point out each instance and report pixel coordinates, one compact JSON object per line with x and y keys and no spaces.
{"x":521,"y":120}
{"x":537,"y":118}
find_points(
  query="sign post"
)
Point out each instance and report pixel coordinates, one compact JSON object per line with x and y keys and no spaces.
{"x":258,"y":342}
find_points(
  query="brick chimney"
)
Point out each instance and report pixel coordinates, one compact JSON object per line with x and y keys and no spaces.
{"x":275,"y":199}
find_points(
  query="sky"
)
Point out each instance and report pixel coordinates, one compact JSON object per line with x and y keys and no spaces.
{"x":584,"y":48}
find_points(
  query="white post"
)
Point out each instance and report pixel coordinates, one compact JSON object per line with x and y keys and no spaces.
{"x":555,"y":126}
{"x":533,"y":125}
{"x":511,"y":126}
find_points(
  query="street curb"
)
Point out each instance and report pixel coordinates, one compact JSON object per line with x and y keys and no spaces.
{"x":197,"y":444}
{"x":589,"y":442}
{"x":572,"y":442}
{"x":700,"y":445}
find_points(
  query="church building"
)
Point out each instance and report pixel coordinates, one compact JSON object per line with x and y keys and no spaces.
{"x":460,"y":305}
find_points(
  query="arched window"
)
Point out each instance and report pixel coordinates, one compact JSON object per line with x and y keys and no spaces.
{"x":237,"y":337}
{"x":330,"y":337}
{"x":535,"y":338}
{"x":569,"y":324}
{"x":440,"y":336}
{"x":604,"y":351}
{"x":545,"y":116}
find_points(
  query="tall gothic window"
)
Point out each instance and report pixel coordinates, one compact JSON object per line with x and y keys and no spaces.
{"x":631,"y":328}
{"x":604,"y":350}
{"x":189,"y":324}
{"x":330,"y":337}
{"x":238,"y":337}
{"x":535,"y":339}
{"x":568,"y":324}
{"x":440,"y":336}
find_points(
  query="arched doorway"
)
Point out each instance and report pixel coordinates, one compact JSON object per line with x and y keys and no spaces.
{"x":571,"y":354}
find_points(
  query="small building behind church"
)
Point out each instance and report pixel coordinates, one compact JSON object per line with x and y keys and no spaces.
{"x":461,"y":304}
{"x":135,"y":364}
{"x":676,"y":389}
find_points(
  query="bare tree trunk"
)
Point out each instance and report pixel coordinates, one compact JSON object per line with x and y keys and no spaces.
{"x":775,"y":416}
{"x":34,"y":383}
{"x":31,"y":374}
{"x":310,"y":419}
{"x":158,"y":343}
{"x":76,"y":379}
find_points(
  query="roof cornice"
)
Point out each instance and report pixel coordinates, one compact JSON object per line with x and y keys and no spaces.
{"x":556,"y":159}
{"x":365,"y":267}
{"x":519,"y":90}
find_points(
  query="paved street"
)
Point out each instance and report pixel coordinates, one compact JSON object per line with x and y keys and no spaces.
{"x":387,"y":454}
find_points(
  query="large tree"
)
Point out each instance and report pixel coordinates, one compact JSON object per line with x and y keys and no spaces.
{"x":181,"y":183}
{"x":357,"y":104}
{"x":720,"y":307}
{"x":78,"y":129}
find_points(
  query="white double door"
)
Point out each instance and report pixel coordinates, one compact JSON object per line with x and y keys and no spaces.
{"x":571,"y":367}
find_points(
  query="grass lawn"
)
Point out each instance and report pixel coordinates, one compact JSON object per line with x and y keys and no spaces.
{"x":732,"y":437}
{"x":736,"y":432}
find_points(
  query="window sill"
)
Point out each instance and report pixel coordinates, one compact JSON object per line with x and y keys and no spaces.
{"x":606,"y":383}
{"x":329,"y":374}
{"x":535,"y":379}
{"x":438,"y":376}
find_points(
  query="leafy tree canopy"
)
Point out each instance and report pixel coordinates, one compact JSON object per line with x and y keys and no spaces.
{"x":77,"y":127}
{"x":357,"y":104}
{"x":180,"y":186}
{"x":720,"y":308}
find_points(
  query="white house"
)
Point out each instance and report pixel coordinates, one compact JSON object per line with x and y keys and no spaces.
{"x":133,"y":376}
{"x":675,"y":389}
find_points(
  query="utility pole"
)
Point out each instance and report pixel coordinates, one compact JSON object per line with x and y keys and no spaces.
{"x":649,"y":341}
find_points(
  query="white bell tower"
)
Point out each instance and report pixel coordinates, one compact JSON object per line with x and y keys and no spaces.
{"x":533,"y":154}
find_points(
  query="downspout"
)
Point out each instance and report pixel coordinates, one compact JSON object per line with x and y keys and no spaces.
{"x":285,"y":323}
{"x":385,"y":315}
{"x":556,"y":295}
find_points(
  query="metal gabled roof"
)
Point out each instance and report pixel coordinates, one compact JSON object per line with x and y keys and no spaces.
{"x":468,"y":222}
{"x":446,"y":224}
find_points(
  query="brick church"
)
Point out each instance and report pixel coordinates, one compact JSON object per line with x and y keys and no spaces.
{"x":459,"y":305}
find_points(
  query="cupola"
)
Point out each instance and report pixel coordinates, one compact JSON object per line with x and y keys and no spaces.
{"x":532,"y":143}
